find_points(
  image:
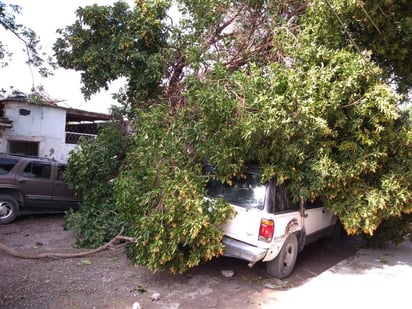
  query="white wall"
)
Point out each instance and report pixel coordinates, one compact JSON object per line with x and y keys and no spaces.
{"x":37,"y":123}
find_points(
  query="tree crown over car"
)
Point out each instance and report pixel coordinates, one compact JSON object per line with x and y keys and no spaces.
{"x":310,"y":89}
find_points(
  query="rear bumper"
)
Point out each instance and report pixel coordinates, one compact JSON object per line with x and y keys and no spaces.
{"x":237,"y":249}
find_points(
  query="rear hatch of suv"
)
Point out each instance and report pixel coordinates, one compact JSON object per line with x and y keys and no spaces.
{"x":253,"y":224}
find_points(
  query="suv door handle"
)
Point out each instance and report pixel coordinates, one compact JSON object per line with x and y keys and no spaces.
{"x":21,"y":181}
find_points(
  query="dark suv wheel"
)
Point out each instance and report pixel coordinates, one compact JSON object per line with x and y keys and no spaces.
{"x":9,"y":208}
{"x":282,"y":266}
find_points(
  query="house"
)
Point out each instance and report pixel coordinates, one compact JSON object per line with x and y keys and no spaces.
{"x":44,"y":130}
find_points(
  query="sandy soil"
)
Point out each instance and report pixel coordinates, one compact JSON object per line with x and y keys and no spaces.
{"x":109,"y":280}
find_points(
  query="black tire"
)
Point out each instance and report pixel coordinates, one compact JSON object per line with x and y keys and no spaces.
{"x":9,"y":208}
{"x":282,"y":266}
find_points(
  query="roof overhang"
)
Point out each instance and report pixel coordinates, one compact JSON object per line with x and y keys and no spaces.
{"x":76,"y":115}
{"x":72,"y":114}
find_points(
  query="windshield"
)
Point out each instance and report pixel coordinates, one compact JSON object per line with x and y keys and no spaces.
{"x":244,"y":192}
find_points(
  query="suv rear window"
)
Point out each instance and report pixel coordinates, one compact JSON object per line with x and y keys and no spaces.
{"x":246,"y":191}
{"x":6,"y":164}
{"x":37,"y":169}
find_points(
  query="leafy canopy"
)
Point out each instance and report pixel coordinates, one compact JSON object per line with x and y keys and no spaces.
{"x":90,"y":175}
{"x":298,"y":86}
{"x":110,"y":42}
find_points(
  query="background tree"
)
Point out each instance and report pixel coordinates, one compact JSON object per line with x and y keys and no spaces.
{"x":35,"y":58}
{"x":276,"y":82}
{"x":110,"y":42}
{"x":382,"y":27}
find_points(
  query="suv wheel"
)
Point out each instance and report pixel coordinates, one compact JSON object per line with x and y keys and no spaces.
{"x":282,"y":266}
{"x":9,"y":209}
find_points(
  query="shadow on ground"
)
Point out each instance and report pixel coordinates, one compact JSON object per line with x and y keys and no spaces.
{"x":109,"y":280}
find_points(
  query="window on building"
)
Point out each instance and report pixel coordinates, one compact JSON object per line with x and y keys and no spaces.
{"x":75,"y":131}
{"x":24,"y":148}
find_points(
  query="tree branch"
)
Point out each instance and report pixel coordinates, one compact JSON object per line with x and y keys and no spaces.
{"x":27,"y":49}
{"x":55,"y":255}
{"x":344,"y":28}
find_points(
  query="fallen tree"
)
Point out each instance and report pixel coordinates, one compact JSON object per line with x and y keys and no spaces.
{"x":284,"y":83}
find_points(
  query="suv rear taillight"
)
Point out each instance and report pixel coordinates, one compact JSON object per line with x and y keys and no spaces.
{"x":266,"y":230}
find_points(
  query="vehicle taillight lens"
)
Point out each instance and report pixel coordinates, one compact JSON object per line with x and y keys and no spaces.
{"x":266,"y":230}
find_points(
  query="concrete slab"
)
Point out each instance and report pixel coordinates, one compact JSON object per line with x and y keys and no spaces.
{"x":369,"y":279}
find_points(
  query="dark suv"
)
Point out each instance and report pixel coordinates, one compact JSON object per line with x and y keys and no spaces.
{"x":32,"y":185}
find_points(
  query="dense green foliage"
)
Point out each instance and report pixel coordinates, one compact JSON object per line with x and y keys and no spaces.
{"x":160,"y":195}
{"x":106,"y":43}
{"x":90,"y":174}
{"x":303,"y":87}
{"x":383,"y":27}
{"x":346,"y":151}
{"x":391,"y":230}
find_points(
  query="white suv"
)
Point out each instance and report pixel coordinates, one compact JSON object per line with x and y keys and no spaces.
{"x":268,"y":227}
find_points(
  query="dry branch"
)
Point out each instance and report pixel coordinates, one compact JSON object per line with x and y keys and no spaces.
{"x":55,"y":255}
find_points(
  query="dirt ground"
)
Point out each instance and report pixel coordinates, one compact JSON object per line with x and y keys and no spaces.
{"x":109,"y":280}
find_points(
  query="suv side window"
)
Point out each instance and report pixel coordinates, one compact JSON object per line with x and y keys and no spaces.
{"x":37,"y":170}
{"x":60,"y":171}
{"x":6,"y":164}
{"x":313,"y":203}
{"x":283,"y":200}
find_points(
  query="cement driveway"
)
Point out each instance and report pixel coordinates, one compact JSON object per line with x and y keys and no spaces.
{"x":369,"y":279}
